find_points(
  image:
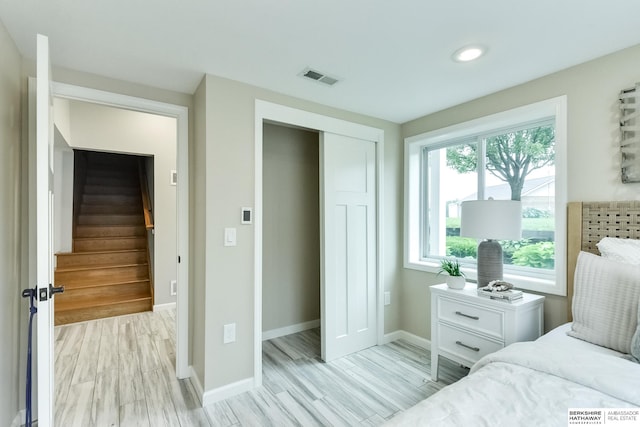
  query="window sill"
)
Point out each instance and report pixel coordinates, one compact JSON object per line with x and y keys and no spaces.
{"x":535,"y":284}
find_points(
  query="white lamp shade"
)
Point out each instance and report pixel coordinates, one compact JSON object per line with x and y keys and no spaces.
{"x":491,"y":219}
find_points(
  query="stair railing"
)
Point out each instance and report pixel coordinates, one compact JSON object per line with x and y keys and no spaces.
{"x":146,"y":203}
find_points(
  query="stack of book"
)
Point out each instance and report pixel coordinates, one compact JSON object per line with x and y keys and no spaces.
{"x":510,"y":295}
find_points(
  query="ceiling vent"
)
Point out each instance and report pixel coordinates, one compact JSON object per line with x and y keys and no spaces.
{"x":318,"y":77}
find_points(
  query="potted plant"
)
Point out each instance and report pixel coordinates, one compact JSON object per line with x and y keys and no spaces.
{"x":455,"y":280}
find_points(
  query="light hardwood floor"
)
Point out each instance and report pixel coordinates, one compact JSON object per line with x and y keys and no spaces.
{"x":121,"y":372}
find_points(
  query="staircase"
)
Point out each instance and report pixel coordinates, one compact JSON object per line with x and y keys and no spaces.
{"x":107,"y":273}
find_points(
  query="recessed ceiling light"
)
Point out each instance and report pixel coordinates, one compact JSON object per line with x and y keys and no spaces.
{"x":468,"y":53}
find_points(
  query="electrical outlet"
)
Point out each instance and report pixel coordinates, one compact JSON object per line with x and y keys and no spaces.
{"x":174,"y":287}
{"x":387,"y":298}
{"x":229,"y":333}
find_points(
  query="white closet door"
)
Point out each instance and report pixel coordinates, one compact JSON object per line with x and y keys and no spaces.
{"x":348,"y":236}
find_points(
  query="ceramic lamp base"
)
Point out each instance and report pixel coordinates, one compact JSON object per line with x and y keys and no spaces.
{"x":489,"y":262}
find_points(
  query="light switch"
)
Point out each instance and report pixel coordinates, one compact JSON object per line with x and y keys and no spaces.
{"x":229,"y":333}
{"x":229,"y":236}
{"x":387,"y":298}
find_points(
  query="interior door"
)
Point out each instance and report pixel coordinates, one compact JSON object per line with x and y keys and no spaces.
{"x":44,"y":227}
{"x":348,"y":252}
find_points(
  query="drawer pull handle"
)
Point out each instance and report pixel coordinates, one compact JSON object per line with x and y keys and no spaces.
{"x":459,"y":313}
{"x":460,"y":343}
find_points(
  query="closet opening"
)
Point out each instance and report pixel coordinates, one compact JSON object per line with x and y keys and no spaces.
{"x":290,"y":245}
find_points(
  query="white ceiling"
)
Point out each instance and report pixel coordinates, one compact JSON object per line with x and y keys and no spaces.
{"x":393,"y":57}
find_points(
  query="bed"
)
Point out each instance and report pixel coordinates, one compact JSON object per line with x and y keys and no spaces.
{"x":579,"y":372}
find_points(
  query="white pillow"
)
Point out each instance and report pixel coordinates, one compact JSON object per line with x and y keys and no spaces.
{"x":605,"y":302}
{"x":635,"y":343}
{"x":621,"y":250}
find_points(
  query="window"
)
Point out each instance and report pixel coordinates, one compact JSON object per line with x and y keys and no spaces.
{"x":517,"y":155}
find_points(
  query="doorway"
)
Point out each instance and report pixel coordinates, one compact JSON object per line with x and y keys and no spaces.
{"x":178,"y":177}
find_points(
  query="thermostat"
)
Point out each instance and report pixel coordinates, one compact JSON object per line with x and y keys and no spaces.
{"x":247,"y":216}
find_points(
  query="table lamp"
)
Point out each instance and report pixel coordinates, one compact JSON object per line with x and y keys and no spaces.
{"x":490,"y":220}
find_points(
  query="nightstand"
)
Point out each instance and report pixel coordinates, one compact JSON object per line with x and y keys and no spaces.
{"x":465,"y":326}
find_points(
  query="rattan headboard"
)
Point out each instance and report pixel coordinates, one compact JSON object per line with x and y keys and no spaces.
{"x":588,"y":222}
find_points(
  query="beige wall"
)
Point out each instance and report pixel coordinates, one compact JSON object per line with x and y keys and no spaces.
{"x":593,"y":152}
{"x":229,"y":185}
{"x":291,"y":224}
{"x":10,"y":225}
{"x":97,"y":127}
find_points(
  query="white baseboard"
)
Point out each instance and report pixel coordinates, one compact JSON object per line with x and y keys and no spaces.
{"x":220,"y":393}
{"x":167,"y":306}
{"x":229,"y":390}
{"x":288,"y":330}
{"x":195,"y":381}
{"x":409,"y":337}
{"x":20,"y":419}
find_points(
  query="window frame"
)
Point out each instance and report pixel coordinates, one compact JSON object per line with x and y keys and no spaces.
{"x":414,"y":179}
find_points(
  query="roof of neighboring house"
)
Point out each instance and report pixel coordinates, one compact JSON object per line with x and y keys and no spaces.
{"x":503,"y":191}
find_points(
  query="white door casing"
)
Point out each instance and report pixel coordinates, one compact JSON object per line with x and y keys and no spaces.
{"x":44,"y":232}
{"x":348,"y":245}
{"x":288,"y":116}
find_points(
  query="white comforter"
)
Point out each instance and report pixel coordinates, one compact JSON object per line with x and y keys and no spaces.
{"x":530,"y":384}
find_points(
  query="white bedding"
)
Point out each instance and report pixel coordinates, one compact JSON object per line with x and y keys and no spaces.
{"x":559,"y":335}
{"x":532,"y":384}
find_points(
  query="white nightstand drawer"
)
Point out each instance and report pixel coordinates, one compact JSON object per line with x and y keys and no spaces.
{"x":481,"y":319}
{"x":465,"y":345}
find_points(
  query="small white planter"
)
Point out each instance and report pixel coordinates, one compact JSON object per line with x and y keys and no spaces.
{"x":456,"y":282}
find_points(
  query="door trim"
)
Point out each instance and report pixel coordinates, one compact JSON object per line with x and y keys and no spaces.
{"x":269,"y":112}
{"x":181,"y":114}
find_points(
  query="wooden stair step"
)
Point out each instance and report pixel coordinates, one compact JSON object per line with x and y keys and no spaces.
{"x":84,"y":302}
{"x":95,"y":244}
{"x":109,"y":160}
{"x":101,"y":258}
{"x":111,"y":209}
{"x":98,"y":219}
{"x":93,"y":231}
{"x":76,"y":276}
{"x":94,"y":295}
{"x":82,"y":314}
{"x":112,"y":171}
{"x":112,"y":180}
{"x":106,"y":281}
{"x":102,"y":177}
{"x":109,"y":199}
{"x":130,"y":190}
